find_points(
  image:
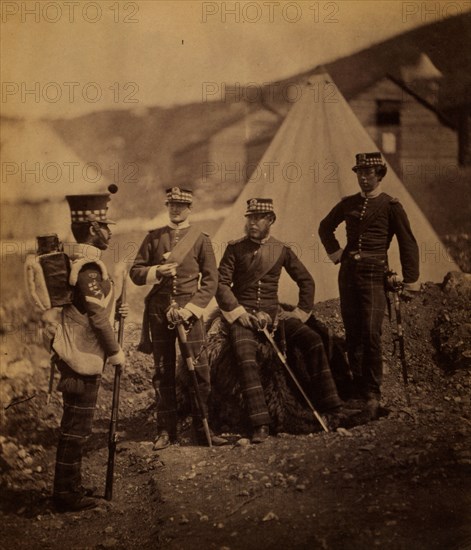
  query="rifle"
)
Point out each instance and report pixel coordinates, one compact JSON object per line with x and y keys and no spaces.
{"x":282,"y":358}
{"x":52,"y":372}
{"x":396,"y":288}
{"x":191,"y":367}
{"x":113,"y":435}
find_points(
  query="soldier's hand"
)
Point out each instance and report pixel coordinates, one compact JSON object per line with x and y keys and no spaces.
{"x":263,"y":319}
{"x":167,"y":270}
{"x":123,"y":309}
{"x":295,"y":314}
{"x":283,"y":315}
{"x":247,"y":320}
{"x":185,"y":314}
{"x":173,"y":316}
{"x":118,"y":359}
{"x":393,"y":282}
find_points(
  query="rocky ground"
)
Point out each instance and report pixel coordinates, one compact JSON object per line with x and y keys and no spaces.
{"x":398,"y":483}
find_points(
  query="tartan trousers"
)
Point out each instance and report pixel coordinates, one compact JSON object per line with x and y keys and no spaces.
{"x":75,"y":428}
{"x":363,"y":304}
{"x":163,"y":343}
{"x":322,"y":389}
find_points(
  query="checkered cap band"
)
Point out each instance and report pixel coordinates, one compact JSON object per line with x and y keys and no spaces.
{"x":259,"y":206}
{"x":176,"y":194}
{"x":367,"y":160}
{"x":88,"y":215}
{"x":89,"y":208}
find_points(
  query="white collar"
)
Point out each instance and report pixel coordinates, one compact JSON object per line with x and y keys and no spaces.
{"x":263,"y":241}
{"x":182,"y":225}
{"x":373,"y":194}
{"x":87,"y":251}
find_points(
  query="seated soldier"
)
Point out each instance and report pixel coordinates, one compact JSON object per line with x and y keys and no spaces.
{"x":247,"y":295}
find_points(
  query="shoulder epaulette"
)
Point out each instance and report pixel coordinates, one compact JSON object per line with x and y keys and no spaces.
{"x":81,"y":263}
{"x":237,"y":240}
{"x":157,"y":229}
{"x":394,"y":200}
{"x":348,"y":197}
{"x":204,"y":233}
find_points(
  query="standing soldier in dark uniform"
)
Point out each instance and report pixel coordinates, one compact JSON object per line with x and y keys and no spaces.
{"x":83,"y":342}
{"x":247,"y":294}
{"x":372,"y":218}
{"x":178,"y":262}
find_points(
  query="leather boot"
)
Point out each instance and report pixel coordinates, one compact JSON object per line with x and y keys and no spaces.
{"x":260,"y":434}
{"x":216,"y":440}
{"x":75,"y":502}
{"x":162,"y":441}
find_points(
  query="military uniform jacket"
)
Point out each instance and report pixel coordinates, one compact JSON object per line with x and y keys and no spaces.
{"x":85,"y":337}
{"x":199,"y":260}
{"x":371,"y":224}
{"x":249,"y":273}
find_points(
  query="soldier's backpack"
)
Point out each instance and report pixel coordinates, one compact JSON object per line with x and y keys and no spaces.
{"x":47,"y":274}
{"x":47,"y":280}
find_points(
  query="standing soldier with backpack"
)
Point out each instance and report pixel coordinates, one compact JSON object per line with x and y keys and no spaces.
{"x":83,"y":342}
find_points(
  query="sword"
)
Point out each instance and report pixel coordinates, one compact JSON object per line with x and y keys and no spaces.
{"x":396,"y":288}
{"x":282,"y":358}
{"x":191,"y":367}
{"x":400,"y":340}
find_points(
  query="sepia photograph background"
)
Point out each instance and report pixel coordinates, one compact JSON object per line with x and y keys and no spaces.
{"x":233,"y":100}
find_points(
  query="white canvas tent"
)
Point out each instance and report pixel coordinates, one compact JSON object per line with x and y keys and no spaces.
{"x":307,"y":169}
{"x":38,"y":170}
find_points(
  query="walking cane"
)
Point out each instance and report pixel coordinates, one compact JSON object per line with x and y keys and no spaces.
{"x":113,"y":435}
{"x":282,"y":358}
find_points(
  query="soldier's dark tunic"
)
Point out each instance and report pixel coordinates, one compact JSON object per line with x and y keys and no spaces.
{"x":82,"y":343}
{"x":371,"y":224}
{"x":249,"y":274}
{"x":192,"y":288}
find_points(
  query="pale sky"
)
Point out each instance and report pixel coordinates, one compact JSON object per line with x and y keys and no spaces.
{"x":67,"y":58}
